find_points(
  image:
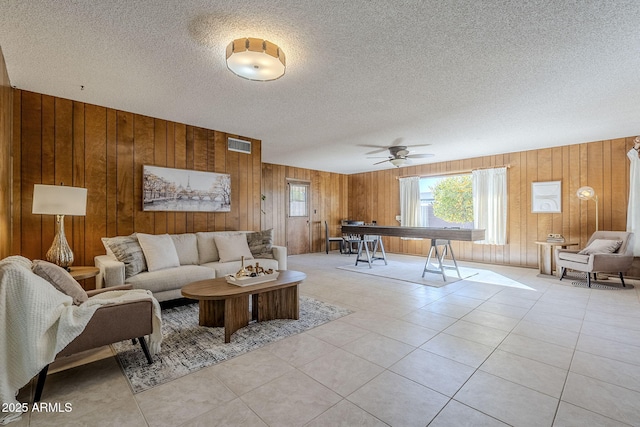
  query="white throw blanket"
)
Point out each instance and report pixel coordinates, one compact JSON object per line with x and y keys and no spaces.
{"x":37,"y":321}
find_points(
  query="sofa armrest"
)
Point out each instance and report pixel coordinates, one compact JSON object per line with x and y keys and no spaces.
{"x":93,"y":292}
{"x":111,"y":271}
{"x":280,"y":255}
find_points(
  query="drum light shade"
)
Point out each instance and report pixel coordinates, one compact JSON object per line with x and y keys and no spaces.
{"x":59,"y":200}
{"x":256,"y":59}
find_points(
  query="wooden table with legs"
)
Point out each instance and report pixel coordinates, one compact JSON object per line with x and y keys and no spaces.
{"x":223,"y":304}
{"x":547,"y":255}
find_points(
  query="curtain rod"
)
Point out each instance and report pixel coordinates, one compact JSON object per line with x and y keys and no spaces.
{"x":458,"y":172}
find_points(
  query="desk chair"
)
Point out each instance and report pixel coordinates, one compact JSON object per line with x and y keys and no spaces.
{"x":328,"y":240}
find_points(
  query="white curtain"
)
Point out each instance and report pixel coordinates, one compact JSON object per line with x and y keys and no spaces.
{"x":410,"y":213}
{"x":490,"y":204}
{"x":633,"y":210}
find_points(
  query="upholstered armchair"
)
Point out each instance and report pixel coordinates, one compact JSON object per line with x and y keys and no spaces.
{"x":606,"y":251}
{"x":109,"y":324}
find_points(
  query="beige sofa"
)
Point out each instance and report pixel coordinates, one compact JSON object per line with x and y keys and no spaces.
{"x":199,"y":257}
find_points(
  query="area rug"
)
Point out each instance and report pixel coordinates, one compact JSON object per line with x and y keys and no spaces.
{"x":188,"y":347}
{"x":410,"y":270}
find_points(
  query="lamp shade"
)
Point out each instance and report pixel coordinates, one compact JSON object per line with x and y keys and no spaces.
{"x":255,"y":59}
{"x":59,"y":200}
{"x":397,"y":162}
{"x":585,"y":193}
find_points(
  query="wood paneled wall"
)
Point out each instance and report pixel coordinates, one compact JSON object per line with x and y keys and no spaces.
{"x":6,"y":105}
{"x":57,"y":140}
{"x":329,"y":201}
{"x":602,"y":165}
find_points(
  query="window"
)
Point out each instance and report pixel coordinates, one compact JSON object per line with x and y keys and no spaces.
{"x":446,"y":201}
{"x":298,"y":194}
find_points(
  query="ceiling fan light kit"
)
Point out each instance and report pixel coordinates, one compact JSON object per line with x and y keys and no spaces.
{"x":399,"y":155}
{"x":256,"y":59}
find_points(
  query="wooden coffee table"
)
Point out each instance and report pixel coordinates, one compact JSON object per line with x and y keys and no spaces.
{"x":223,"y":304}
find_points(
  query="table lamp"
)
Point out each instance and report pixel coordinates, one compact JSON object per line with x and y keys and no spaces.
{"x":59,"y":200}
{"x":588,"y":193}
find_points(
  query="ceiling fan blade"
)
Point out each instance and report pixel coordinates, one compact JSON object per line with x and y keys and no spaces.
{"x":377,"y":163}
{"x":419,"y":156}
{"x":378,"y":148}
{"x":418,"y":145}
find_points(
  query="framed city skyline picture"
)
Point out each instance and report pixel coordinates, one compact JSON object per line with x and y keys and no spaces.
{"x":183,"y":190}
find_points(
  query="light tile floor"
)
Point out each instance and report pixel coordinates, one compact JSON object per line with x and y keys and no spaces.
{"x":505,"y":347}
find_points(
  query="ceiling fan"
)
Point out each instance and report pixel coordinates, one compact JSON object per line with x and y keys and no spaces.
{"x":400,"y":155}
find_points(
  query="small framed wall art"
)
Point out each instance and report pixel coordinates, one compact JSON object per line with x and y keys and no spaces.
{"x":169,"y":189}
{"x":546,"y":197}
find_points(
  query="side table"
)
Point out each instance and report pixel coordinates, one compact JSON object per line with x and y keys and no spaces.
{"x":82,"y":273}
{"x":546,"y":255}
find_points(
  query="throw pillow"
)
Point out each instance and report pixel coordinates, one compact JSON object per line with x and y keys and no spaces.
{"x":159,"y":251}
{"x":61,"y":280}
{"x":187,"y":248}
{"x":232,"y":247}
{"x":128,"y":251}
{"x":602,"y":246}
{"x":207,"y":250}
{"x":261,"y":243}
{"x":105,"y":243}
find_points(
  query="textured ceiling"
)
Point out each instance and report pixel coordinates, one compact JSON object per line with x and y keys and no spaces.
{"x":470,"y":78}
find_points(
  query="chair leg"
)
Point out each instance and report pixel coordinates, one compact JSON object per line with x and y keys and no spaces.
{"x":622,"y":279}
{"x":145,"y":349}
{"x":563,"y":271}
{"x":589,"y":279}
{"x":42,"y":377}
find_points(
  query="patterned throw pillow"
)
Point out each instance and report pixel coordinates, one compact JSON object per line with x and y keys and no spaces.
{"x":127,"y":250}
{"x":61,"y":280}
{"x":261,"y":243}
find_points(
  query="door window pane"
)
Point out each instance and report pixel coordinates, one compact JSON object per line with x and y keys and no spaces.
{"x":298,"y":200}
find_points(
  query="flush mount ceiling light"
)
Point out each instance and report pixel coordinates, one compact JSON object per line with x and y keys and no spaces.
{"x":255,"y":59}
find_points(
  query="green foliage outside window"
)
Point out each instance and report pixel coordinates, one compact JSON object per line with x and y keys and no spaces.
{"x":453,"y":199}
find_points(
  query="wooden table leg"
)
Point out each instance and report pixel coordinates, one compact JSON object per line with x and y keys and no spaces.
{"x":236,"y":315}
{"x":279,"y":304}
{"x":211,"y":313}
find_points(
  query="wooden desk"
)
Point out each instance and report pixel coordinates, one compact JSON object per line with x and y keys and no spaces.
{"x":547,"y":255}
{"x":463,"y":234}
{"x":433,"y":233}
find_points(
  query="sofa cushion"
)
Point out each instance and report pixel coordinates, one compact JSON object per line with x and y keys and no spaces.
{"x":159,"y":251}
{"x":261,"y":243}
{"x":187,"y":248}
{"x":171,"y":278}
{"x":207,"y":250}
{"x":128,"y":251}
{"x":602,"y":246}
{"x":61,"y":280}
{"x":232,"y":247}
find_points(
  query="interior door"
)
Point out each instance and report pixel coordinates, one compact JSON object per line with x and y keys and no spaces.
{"x":298,"y":221}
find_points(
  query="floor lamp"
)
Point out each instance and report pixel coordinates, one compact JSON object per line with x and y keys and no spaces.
{"x":588,"y":193}
{"x":59,"y":200}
